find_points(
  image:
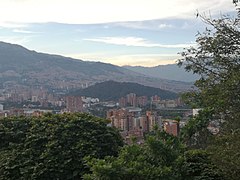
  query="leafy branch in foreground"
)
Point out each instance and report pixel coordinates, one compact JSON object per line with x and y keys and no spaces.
{"x":216,"y":58}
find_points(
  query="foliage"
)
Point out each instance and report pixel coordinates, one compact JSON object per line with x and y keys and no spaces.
{"x":226,"y":154}
{"x":216,"y":58}
{"x":53,"y":146}
{"x":160,"y":157}
{"x":152,"y":160}
{"x":195,"y":134}
{"x":111,"y":90}
{"x":197,"y":165}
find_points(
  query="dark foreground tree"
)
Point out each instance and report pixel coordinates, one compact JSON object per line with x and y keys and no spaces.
{"x":53,"y":146}
{"x":216,"y":58}
{"x":162,"y":156}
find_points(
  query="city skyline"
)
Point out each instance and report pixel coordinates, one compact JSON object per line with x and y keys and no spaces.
{"x":146,"y":33}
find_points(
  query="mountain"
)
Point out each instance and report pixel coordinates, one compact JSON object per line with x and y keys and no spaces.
{"x":20,"y":66}
{"x":170,"y":71}
{"x":111,"y":90}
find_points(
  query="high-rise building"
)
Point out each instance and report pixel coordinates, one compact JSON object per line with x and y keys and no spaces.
{"x":132,"y":99}
{"x":130,"y":119}
{"x":171,"y":127}
{"x":74,"y":104}
{"x":34,"y":99}
{"x":122,"y":102}
{"x":1,"y":107}
{"x":153,"y":120}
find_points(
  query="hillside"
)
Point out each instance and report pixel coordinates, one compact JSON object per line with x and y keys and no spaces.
{"x":170,"y":71}
{"x":111,"y":90}
{"x":20,"y":66}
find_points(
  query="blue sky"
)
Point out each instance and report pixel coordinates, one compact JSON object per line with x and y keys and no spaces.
{"x":121,"y":32}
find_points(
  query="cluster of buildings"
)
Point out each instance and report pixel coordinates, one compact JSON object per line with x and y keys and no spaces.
{"x":161,"y":104}
{"x":60,"y":104}
{"x":37,"y":95}
{"x":133,"y":100}
{"x":24,"y":100}
{"x":140,"y":101}
{"x":128,"y":117}
{"x":41,"y":98}
{"x":23,"y":112}
{"x":68,"y":104}
{"x":133,"y":123}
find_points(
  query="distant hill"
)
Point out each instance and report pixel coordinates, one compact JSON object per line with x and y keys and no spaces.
{"x":15,"y":57}
{"x":30,"y":68}
{"x":111,"y":90}
{"x":170,"y":71}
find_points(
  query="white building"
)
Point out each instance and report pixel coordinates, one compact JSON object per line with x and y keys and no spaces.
{"x":195,"y":112}
{"x":1,"y":107}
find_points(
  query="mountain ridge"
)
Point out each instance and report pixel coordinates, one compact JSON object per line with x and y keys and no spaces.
{"x":30,"y":68}
{"x":169,"y":71}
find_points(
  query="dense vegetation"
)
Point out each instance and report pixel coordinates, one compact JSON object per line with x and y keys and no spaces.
{"x":217,"y":60}
{"x":162,"y":156}
{"x":53,"y":146}
{"x":74,"y":146}
{"x":111,"y":90}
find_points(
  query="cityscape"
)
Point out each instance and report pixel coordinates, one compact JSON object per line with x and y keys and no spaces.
{"x":133,"y":115}
{"x":119,"y":90}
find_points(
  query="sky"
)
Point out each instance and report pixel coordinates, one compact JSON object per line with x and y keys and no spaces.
{"x":120,"y":32}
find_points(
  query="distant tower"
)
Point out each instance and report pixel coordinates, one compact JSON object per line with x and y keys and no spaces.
{"x":74,"y":104}
{"x":132,"y":99}
{"x":1,"y":107}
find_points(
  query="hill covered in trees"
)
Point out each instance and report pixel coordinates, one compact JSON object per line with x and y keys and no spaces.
{"x":111,"y":90}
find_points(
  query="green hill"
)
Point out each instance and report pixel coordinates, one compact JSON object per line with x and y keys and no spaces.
{"x":111,"y":90}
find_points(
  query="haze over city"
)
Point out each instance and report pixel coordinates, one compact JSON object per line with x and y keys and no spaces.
{"x":136,"y":32}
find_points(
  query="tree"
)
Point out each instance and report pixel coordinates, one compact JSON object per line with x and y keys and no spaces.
{"x":162,"y":156}
{"x":196,"y":134}
{"x":225,"y":154}
{"x":152,"y":160}
{"x":53,"y":146}
{"x":197,"y":165}
{"x":216,"y":58}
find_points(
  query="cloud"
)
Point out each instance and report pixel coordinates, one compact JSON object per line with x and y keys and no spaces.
{"x":145,"y":25}
{"x":104,"y":11}
{"x":12,"y":25}
{"x":163,"y":26}
{"x":24,"y":31}
{"x":147,"y":60}
{"x":16,"y":39}
{"x":135,"y":41}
